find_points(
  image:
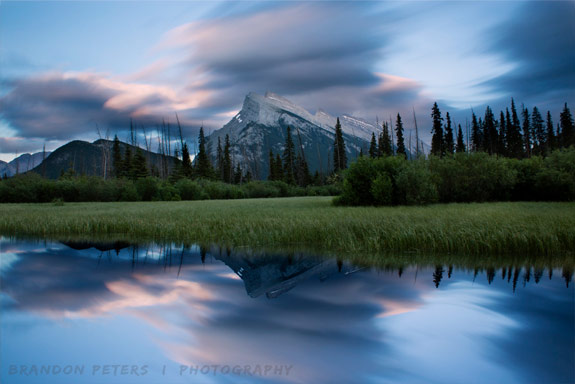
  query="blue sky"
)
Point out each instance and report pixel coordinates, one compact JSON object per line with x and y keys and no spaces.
{"x":67,"y":68}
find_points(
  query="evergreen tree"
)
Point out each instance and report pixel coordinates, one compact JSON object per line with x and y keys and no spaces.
{"x":203,"y":164}
{"x":527,"y":132}
{"x":303,"y":175}
{"x":117,"y":158}
{"x":339,"y":155}
{"x":489,"y":132}
{"x":437,"y":131}
{"x":289,"y":159}
{"x":127,"y":163}
{"x":385,"y":148}
{"x":272,"y":165}
{"x":567,"y":129}
{"x":279,"y":170}
{"x":501,"y":138}
{"x":399,"y":134}
{"x":220,"y":160}
{"x":373,"y":147}
{"x":551,"y":139}
{"x":238,"y":175}
{"x":514,"y":139}
{"x":539,"y":134}
{"x":139,"y":168}
{"x":460,"y":148}
{"x":227,"y":161}
{"x":186,"y":168}
{"x":449,"y":145}
{"x":476,"y":134}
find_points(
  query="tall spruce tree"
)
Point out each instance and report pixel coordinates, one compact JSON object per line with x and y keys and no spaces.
{"x":203,"y":165}
{"x":373,"y":147}
{"x":460,"y":148}
{"x":220,"y":160}
{"x":186,"y":169}
{"x":514,"y":138}
{"x":437,"y":132}
{"x":476,"y":134}
{"x":238,"y":175}
{"x":449,"y":145}
{"x":502,"y":136}
{"x":117,"y":157}
{"x":339,"y":154}
{"x":539,"y":134}
{"x":567,"y":129}
{"x":399,"y":134}
{"x":385,"y":147}
{"x":303,"y":177}
{"x":527,"y":143}
{"x":279,"y":170}
{"x":490,"y":132}
{"x":272,"y":166}
{"x":127,"y":162}
{"x":227,"y":161}
{"x":139,"y":167}
{"x":289,"y":159}
{"x":551,"y":139}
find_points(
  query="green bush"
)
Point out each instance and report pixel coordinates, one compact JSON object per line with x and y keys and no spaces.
{"x":415,"y":184}
{"x":190,"y":190}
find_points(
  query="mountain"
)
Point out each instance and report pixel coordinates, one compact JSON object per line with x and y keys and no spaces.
{"x":91,"y":159}
{"x":276,"y":274}
{"x":262,"y":123}
{"x":21,"y":164}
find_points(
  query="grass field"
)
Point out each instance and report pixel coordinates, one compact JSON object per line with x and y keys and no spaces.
{"x":541,"y":229}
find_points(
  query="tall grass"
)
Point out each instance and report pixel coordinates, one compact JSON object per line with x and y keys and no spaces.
{"x":543,"y":229}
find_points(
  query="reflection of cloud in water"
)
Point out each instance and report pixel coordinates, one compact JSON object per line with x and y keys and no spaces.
{"x":364,"y":326}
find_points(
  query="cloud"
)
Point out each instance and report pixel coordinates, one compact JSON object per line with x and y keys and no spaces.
{"x":324,"y":56}
{"x":15,"y":145}
{"x":59,"y":106}
{"x":539,"y":41}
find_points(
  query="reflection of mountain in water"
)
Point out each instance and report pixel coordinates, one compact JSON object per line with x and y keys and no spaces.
{"x":99,"y":245}
{"x":275,"y":275}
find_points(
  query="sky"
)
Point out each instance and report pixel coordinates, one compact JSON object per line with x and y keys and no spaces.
{"x":82,"y":69}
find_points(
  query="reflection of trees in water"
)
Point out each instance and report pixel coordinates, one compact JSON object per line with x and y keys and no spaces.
{"x":178,"y":255}
{"x":438,"y":275}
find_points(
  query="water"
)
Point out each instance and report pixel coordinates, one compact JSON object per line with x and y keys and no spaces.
{"x":117,"y":313}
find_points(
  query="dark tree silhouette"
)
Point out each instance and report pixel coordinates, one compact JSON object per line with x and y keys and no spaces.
{"x":437,"y":132}
{"x":449,"y":145}
{"x":460,"y":148}
{"x":385,"y":147}
{"x":514,"y":139}
{"x":117,"y":158}
{"x":438,"y":275}
{"x":227,"y":161}
{"x":203,"y":165}
{"x":373,"y":147}
{"x":567,"y":129}
{"x":551,"y":139}
{"x":289,"y":159}
{"x":339,"y":155}
{"x":399,"y":134}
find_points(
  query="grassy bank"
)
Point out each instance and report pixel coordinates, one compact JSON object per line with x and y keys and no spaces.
{"x":494,"y":228}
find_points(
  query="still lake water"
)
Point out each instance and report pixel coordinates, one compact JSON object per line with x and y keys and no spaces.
{"x":117,"y":313}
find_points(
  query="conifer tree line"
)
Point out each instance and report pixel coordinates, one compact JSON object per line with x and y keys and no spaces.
{"x":511,"y":134}
{"x":506,"y":134}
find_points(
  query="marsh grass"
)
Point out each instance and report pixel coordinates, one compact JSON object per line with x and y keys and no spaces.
{"x":521,"y":229}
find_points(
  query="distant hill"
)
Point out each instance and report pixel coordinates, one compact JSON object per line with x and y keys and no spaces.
{"x":86,"y":158}
{"x":21,"y":164}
